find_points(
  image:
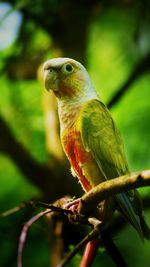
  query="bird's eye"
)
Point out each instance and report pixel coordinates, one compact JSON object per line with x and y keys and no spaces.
{"x":67,"y":68}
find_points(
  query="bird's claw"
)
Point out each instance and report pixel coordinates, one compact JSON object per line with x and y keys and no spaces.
{"x":73,"y":205}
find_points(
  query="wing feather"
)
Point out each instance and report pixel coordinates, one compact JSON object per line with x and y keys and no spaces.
{"x":101,"y":137}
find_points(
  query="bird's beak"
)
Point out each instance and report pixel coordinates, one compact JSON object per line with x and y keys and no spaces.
{"x":50,"y":77}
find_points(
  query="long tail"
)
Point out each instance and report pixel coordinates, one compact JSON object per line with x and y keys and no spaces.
{"x":145,"y":228}
{"x":132,"y":209}
{"x":89,"y":253}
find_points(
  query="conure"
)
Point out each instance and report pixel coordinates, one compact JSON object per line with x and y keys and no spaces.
{"x":91,"y":140}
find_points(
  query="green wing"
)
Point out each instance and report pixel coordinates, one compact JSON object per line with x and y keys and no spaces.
{"x":101,"y":137}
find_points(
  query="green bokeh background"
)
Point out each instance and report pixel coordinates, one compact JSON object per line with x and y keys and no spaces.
{"x":112,"y":54}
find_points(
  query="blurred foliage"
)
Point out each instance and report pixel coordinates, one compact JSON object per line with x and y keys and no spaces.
{"x":115,"y":38}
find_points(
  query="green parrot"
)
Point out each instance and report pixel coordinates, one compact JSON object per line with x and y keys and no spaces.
{"x":91,"y":140}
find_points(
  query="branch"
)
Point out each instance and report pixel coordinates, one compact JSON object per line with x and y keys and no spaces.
{"x":102,"y":237}
{"x":99,"y":193}
{"x":142,"y":67}
{"x":90,"y":236}
{"x":9,"y":212}
{"x":58,"y":206}
{"x":24,"y":232}
{"x":112,"y":187}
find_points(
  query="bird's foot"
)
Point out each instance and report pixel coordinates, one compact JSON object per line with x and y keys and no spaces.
{"x":73,"y":205}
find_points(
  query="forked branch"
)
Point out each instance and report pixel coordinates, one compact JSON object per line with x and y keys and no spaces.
{"x":82,"y":215}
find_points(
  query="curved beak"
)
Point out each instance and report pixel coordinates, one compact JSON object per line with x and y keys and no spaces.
{"x":50,"y":77}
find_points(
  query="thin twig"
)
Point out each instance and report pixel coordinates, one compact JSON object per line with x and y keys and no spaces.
{"x":35,"y":204}
{"x":13,"y":210}
{"x":53,"y":208}
{"x":22,"y":205}
{"x":23,"y":235}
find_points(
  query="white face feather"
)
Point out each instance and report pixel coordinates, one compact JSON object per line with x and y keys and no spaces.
{"x":59,"y":61}
{"x":54,"y":67}
{"x":81,"y":89}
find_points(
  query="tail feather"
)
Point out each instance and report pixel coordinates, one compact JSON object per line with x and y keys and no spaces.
{"x":139,"y":208}
{"x":134,"y":216}
{"x":131,"y":207}
{"x":145,"y":228}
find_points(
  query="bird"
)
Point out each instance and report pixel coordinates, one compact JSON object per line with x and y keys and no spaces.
{"x":91,"y":141}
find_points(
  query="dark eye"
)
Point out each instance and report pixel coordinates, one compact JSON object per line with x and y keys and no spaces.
{"x":67,"y":68}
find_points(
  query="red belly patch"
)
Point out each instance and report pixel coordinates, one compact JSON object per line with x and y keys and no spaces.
{"x":77,"y":155}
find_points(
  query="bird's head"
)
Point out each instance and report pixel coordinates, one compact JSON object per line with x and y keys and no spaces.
{"x":67,"y":78}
